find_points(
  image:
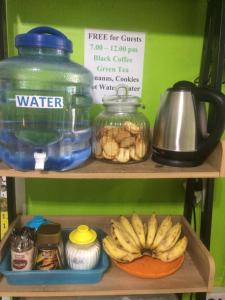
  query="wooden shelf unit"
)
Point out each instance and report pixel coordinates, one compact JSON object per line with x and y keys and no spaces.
{"x":195,"y":275}
{"x":197,"y":271}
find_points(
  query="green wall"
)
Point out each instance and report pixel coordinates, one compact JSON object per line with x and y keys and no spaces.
{"x":174,"y":31}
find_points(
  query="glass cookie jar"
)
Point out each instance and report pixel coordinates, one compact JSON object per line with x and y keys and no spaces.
{"x":121,"y":134}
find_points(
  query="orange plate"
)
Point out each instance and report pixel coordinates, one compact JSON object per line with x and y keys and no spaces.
{"x":148,"y":267}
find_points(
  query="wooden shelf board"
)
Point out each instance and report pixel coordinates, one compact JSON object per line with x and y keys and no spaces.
{"x":213,"y":167}
{"x":117,"y":282}
{"x":102,"y":170}
{"x":195,"y":275}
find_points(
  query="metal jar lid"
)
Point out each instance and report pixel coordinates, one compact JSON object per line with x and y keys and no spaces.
{"x":49,"y":234}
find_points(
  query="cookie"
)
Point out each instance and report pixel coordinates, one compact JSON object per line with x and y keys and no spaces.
{"x":122,"y":134}
{"x":140,"y":148}
{"x":111,"y":149}
{"x":123,"y":155}
{"x":106,"y":156}
{"x":127,"y":142}
{"x":105,"y":139}
{"x":131,"y":127}
{"x":133,"y":154}
{"x":113,"y":132}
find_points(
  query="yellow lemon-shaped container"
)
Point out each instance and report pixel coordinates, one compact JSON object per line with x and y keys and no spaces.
{"x":83,"y":249}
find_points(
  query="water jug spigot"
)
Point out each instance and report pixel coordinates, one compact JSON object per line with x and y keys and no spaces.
{"x":40,"y":158}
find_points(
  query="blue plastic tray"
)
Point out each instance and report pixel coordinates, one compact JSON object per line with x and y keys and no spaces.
{"x":64,"y":276}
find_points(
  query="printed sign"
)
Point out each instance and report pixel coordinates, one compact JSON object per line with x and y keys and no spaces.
{"x":114,"y":58}
{"x":39,"y":101}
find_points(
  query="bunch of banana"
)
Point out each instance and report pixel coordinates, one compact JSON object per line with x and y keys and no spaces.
{"x":130,"y":240}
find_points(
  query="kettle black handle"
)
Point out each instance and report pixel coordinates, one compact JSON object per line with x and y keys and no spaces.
{"x":217,"y":99}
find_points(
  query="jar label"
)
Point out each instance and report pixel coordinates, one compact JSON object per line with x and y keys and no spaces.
{"x":22,"y":261}
{"x":34,"y":101}
{"x":47,"y":259}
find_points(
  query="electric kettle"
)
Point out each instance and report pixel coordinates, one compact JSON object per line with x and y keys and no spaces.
{"x":179,"y":138}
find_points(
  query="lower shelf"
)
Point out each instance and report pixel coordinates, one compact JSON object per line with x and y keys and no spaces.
{"x":195,"y":275}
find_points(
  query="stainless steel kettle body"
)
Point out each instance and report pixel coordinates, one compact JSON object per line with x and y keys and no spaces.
{"x":179,"y":137}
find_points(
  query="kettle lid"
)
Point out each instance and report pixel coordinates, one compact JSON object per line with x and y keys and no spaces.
{"x":182,"y":85}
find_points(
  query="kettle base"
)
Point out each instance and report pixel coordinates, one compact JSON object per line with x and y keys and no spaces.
{"x":172,"y":159}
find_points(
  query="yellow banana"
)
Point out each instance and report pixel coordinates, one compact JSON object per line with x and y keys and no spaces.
{"x":124,"y":231}
{"x":115,"y":239}
{"x":170,"y":240}
{"x":130,"y":257}
{"x":128,"y":227}
{"x":114,"y":251}
{"x":152,"y":229}
{"x":145,"y":230}
{"x":175,"y":252}
{"x":125,"y":240}
{"x":162,"y":231}
{"x":138,"y":228}
{"x":116,"y":223}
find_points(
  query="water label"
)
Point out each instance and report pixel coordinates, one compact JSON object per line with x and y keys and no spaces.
{"x":39,"y":101}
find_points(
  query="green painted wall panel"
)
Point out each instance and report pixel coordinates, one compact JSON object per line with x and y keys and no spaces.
{"x":174,"y":31}
{"x":106,"y":197}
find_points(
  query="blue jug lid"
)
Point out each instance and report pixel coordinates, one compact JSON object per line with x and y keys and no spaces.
{"x":44,"y":36}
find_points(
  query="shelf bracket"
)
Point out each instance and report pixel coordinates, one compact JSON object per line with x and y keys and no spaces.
{"x":193,"y":186}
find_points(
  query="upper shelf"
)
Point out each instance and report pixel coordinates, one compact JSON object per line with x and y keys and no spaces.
{"x":213,"y":167}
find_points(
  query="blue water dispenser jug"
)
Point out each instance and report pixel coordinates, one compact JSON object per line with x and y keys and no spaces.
{"x":44,"y":104}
